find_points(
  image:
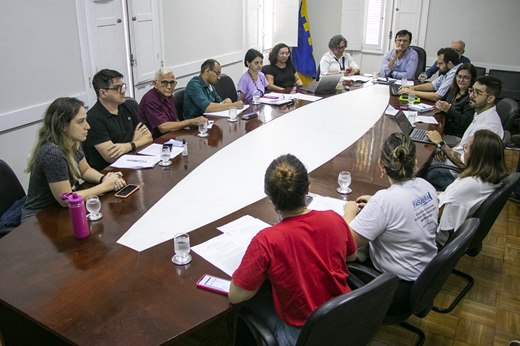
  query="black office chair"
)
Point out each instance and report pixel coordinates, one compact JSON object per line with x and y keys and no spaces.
{"x":350,"y":319}
{"x":510,"y":83}
{"x":225,"y":88}
{"x":421,"y":64}
{"x":507,"y":109}
{"x":429,"y":282}
{"x":481,"y":71}
{"x":11,"y":191}
{"x":318,"y":73}
{"x":487,"y":214}
{"x":132,"y":103}
{"x":178,"y":100}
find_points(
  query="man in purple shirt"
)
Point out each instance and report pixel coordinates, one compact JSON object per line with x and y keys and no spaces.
{"x":401,"y":61}
{"x":157,"y":109}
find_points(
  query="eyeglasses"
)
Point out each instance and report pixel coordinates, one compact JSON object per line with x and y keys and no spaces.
{"x":119,"y":88}
{"x":217,"y":72}
{"x":165,"y":83}
{"x":466,"y":78}
{"x":341,"y":47}
{"x":284,"y":54}
{"x":402,"y":41}
{"x":477,"y":92}
{"x":465,"y":147}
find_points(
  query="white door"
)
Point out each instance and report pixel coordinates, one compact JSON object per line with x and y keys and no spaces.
{"x":254,"y":25}
{"x":406,"y":16}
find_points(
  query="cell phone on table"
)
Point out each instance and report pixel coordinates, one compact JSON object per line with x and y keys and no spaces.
{"x":214,"y":283}
{"x":249,"y":116}
{"x":127,"y":191}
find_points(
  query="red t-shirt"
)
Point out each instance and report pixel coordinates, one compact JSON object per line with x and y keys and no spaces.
{"x":304,"y":259}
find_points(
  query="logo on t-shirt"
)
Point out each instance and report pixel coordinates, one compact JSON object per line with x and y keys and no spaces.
{"x":422,"y":201}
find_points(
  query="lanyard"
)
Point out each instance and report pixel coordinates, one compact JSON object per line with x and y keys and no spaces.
{"x":342,"y":68}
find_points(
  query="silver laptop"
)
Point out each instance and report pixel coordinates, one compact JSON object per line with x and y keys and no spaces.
{"x":417,"y":135}
{"x":327,"y":84}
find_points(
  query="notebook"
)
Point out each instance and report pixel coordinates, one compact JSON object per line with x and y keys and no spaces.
{"x":327,"y":84}
{"x":417,"y":135}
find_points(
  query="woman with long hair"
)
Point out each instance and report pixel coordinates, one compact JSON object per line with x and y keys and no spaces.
{"x":281,"y":74}
{"x":485,"y":170}
{"x":303,"y":256}
{"x":398,"y":223}
{"x":253,"y":79}
{"x":57,"y":161}
{"x":455,"y":103}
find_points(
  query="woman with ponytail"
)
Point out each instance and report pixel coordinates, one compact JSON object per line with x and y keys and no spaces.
{"x":398,"y":223}
{"x":303,"y":256}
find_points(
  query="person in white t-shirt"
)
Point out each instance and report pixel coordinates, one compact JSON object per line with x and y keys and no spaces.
{"x":399,"y":223}
{"x":485,"y":170}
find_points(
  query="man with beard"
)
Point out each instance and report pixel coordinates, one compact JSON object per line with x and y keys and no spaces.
{"x":459,"y":47}
{"x":448,"y":62}
{"x":482,"y":97}
{"x":200,"y":96}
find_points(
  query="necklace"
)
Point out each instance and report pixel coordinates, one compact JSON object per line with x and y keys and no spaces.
{"x":250,"y":75}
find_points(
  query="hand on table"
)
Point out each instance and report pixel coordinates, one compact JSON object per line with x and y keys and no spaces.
{"x":405,"y":89}
{"x":140,"y":131}
{"x":434,"y":136}
{"x":117,"y":149}
{"x":351,"y":207}
{"x":362,"y":201}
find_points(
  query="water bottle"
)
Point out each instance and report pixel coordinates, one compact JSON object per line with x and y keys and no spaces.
{"x":78,"y":216}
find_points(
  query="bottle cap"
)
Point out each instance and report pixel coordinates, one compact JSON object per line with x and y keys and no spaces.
{"x":72,"y":197}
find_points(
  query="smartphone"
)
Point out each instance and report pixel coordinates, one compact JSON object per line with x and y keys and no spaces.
{"x":308,"y":200}
{"x":249,"y":116}
{"x":127,"y":191}
{"x":214,"y":283}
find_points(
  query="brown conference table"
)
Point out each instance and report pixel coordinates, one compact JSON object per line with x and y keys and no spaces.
{"x":56,"y":289}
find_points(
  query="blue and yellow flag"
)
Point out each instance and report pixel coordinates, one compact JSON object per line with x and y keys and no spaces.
{"x":303,"y":55}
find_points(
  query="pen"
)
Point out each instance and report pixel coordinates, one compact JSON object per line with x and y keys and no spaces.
{"x":137,"y":161}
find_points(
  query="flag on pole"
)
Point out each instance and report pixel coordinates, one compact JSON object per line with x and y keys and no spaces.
{"x":303,"y":55}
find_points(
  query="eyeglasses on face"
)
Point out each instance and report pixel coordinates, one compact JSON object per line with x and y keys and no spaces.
{"x":464,"y":78}
{"x":165,"y":83}
{"x":477,"y":92}
{"x":341,"y":47}
{"x":284,"y":53}
{"x":217,"y":72}
{"x":465,"y":146}
{"x":119,"y":88}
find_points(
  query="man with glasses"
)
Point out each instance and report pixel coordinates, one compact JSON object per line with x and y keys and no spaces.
{"x":157,"y":109}
{"x":457,"y":46}
{"x":448,"y":62}
{"x":401,"y":61}
{"x":482,"y":97}
{"x":336,"y":60}
{"x":200,"y":96}
{"x":114,"y":125}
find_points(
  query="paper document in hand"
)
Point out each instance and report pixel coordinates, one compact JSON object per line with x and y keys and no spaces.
{"x":244,"y":229}
{"x":326,"y":203}
{"x":136,"y":161}
{"x":223,"y":251}
{"x":225,"y":113}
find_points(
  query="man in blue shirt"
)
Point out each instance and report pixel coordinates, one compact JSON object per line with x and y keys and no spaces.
{"x":200,"y":97}
{"x":401,"y":61}
{"x":448,"y":61}
{"x":457,"y":46}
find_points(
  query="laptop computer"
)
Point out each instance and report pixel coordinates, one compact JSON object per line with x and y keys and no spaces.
{"x":417,"y":135}
{"x":327,"y":84}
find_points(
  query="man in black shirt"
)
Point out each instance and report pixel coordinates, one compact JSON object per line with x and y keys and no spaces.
{"x":114,"y":126}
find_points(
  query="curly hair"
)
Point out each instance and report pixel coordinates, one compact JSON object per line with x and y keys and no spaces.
{"x":398,"y":156}
{"x":336,"y":40}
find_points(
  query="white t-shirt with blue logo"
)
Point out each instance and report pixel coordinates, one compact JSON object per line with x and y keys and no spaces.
{"x":401,"y":223}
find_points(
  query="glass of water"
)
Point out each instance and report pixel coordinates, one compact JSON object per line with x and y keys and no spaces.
{"x":423,"y":76}
{"x":256,"y":96}
{"x":182,"y":249}
{"x":344,"y":180}
{"x":404,"y":81}
{"x":232,"y":114}
{"x":411,"y":99}
{"x":165,"y":156}
{"x":374,"y":77}
{"x":93,"y":206}
{"x":203,"y":128}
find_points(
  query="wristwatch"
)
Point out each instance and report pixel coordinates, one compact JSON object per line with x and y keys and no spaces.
{"x":133,"y":146}
{"x":441,"y":144}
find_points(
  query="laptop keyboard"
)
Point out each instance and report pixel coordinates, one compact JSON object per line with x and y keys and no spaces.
{"x":420,"y":135}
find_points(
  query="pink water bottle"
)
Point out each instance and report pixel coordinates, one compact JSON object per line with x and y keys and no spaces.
{"x":78,"y":216}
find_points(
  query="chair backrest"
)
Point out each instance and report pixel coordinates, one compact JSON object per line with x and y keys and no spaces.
{"x":481,"y":71}
{"x":352,"y":318}
{"x":489,"y":210}
{"x":10,"y":188}
{"x":421,"y":173}
{"x":318,"y":73}
{"x":130,"y":101}
{"x":225,"y":88}
{"x":178,"y":100}
{"x":507,"y":137}
{"x":510,"y":83}
{"x":435,"y":274}
{"x":421,"y":64}
{"x":507,"y":109}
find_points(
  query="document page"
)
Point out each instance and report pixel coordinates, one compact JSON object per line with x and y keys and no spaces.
{"x":244,"y":229}
{"x":136,"y":161}
{"x":223,"y":251}
{"x":225,"y":114}
{"x":326,"y":203}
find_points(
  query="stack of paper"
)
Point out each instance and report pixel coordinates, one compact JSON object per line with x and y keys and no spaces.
{"x":136,"y":161}
{"x":154,"y":149}
{"x":326,"y":203}
{"x":225,"y":114}
{"x":421,"y":107}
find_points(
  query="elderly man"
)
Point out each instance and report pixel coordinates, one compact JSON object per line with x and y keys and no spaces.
{"x":200,"y":97}
{"x":482,"y":97}
{"x":401,"y":61}
{"x":448,"y":61}
{"x":157,"y":109}
{"x":459,"y":47}
{"x":114,"y":126}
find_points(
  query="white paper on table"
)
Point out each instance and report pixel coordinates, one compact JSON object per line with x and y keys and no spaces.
{"x":175,"y":142}
{"x":136,"y":161}
{"x":211,"y":122}
{"x":427,"y":119}
{"x":356,"y":78}
{"x":306,"y":97}
{"x":225,"y":113}
{"x":154,"y":149}
{"x":223,"y":251}
{"x":385,"y":79}
{"x":391,"y":110}
{"x":326,"y":203}
{"x":244,"y":229}
{"x":408,"y":82}
{"x":411,"y":115}
{"x":421,"y":107}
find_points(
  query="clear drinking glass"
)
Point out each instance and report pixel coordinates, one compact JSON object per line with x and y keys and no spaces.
{"x":404,"y":81}
{"x":411,"y":99}
{"x":296,"y":98}
{"x":256,"y":96}
{"x":374,"y":77}
{"x":203,"y":128}
{"x":344,"y":180}
{"x":93,"y":206}
{"x":165,"y":156}
{"x":423,"y":76}
{"x":232,"y":114}
{"x":182,"y":249}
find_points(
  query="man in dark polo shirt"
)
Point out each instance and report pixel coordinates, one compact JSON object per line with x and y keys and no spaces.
{"x":157,"y":109}
{"x":114,"y":126}
{"x":200,"y":97}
